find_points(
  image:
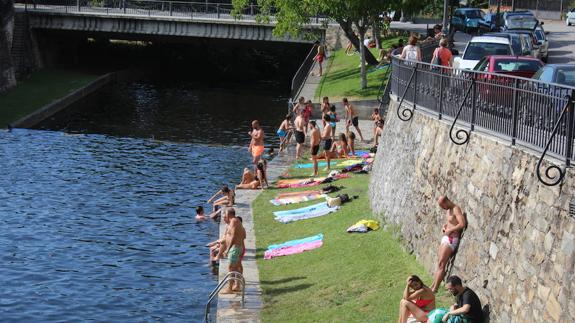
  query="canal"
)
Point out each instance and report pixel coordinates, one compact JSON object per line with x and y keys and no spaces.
{"x":97,"y":202}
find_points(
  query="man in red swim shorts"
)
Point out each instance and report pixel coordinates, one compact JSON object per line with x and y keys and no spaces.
{"x":257,"y":143}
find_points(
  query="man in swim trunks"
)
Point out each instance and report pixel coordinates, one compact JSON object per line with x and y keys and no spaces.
{"x":351,"y":117}
{"x":314,"y":141}
{"x":283,"y":132}
{"x":451,"y":232}
{"x":234,"y":247}
{"x":299,"y":133}
{"x":326,"y":136}
{"x":299,"y":106}
{"x":257,"y":143}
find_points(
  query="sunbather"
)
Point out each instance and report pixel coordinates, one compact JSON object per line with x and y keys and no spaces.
{"x":417,"y":300}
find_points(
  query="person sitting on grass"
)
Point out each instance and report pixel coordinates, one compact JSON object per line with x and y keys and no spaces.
{"x":341,"y":147}
{"x":351,"y":142}
{"x":227,"y":199}
{"x":417,"y":300}
{"x":468,"y":304}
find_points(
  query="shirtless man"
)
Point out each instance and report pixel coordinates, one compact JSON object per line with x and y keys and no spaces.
{"x":378,"y":132}
{"x":299,"y":106}
{"x":351,"y":117}
{"x":283,"y":132}
{"x":450,"y":240}
{"x":314,"y":141}
{"x":299,"y":133}
{"x":326,"y":135}
{"x":234,"y":247}
{"x":257,"y":142}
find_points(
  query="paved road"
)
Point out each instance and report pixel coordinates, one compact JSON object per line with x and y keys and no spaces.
{"x":561,"y":42}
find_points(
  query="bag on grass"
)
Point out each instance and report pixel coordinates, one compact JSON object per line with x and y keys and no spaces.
{"x":330,"y":189}
{"x":333,"y":201}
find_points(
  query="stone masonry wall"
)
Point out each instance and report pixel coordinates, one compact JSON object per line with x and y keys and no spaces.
{"x":7,"y":72}
{"x":518,"y":250}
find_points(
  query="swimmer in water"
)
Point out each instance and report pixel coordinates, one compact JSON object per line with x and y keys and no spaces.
{"x":200,"y":216}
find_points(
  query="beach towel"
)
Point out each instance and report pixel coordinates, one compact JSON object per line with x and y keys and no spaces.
{"x":309,"y":212}
{"x":294,"y":246}
{"x":297,"y":197}
{"x":361,"y":153}
{"x":296,"y":242}
{"x":348,"y":163}
{"x":310,"y":165}
{"x":305,"y":182}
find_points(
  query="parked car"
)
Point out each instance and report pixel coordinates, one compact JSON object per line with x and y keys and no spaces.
{"x":509,"y":65}
{"x":542,"y":42}
{"x":563,"y":74}
{"x":517,"y":44}
{"x":491,"y":22}
{"x":467,"y":19}
{"x":520,"y":22}
{"x":529,"y":41}
{"x":481,"y":46}
{"x":570,"y":19}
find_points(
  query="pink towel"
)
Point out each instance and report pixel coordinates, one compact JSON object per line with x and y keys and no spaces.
{"x":293,"y":249}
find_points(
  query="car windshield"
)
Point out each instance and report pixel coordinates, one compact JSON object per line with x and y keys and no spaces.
{"x":510,"y":65}
{"x":565,"y":76}
{"x":473,"y":14}
{"x":521,"y":22}
{"x":476,"y":51}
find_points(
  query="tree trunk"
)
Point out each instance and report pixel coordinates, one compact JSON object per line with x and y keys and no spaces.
{"x":362,"y":51}
{"x":348,"y":30}
{"x":376,"y":34}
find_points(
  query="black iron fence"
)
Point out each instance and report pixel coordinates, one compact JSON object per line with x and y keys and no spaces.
{"x":525,"y":112}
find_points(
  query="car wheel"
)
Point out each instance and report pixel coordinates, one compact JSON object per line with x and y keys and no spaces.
{"x":567,"y":22}
{"x":545,"y":59}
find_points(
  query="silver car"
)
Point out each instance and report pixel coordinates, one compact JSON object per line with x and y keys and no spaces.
{"x":543,"y":43}
{"x":570,"y":20}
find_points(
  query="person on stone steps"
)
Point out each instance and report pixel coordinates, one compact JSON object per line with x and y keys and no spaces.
{"x":418,"y":300}
{"x":451,"y":232}
{"x":234,"y":248}
{"x":468,"y":304}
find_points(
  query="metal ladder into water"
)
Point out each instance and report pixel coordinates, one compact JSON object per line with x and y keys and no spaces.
{"x":231,"y":276}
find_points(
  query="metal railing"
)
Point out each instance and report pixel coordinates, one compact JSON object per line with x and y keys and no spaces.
{"x":230,"y":276}
{"x":526,"y":112}
{"x":300,"y":76}
{"x":144,"y":8}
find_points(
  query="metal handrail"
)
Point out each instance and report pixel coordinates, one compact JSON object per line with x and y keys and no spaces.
{"x":301,"y":74}
{"x":230,"y":276}
{"x":526,"y":112}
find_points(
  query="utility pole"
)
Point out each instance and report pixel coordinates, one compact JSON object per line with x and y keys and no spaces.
{"x":445,"y":16}
{"x":497,"y":15}
{"x":512,"y":5}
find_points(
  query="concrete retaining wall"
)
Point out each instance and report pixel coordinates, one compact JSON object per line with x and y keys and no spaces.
{"x":518,"y":251}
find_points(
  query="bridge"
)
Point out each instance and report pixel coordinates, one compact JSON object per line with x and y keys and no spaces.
{"x":159,"y":18}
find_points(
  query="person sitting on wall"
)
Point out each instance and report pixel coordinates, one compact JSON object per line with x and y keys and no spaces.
{"x":417,"y":300}
{"x":468,"y":305}
{"x":451,"y":232}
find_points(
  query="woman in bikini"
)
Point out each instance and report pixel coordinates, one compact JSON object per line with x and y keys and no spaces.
{"x":418,"y":300}
{"x":340,"y":147}
{"x":249,"y":181}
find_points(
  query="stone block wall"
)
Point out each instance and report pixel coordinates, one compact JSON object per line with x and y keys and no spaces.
{"x":7,"y":72}
{"x":518,"y":251}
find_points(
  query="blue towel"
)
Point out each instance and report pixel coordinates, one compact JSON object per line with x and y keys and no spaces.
{"x":296,"y":242}
{"x":310,"y":165}
{"x":303,"y":210}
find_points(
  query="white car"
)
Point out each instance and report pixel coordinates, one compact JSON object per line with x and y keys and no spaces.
{"x":570,"y":17}
{"x":481,"y":46}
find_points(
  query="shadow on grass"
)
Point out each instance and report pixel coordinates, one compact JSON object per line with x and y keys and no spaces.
{"x":285,"y":290}
{"x":283,"y":280}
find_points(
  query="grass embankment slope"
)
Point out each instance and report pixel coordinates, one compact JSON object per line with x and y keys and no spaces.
{"x":353,"y":277}
{"x":342,"y":76}
{"x":42,"y":88}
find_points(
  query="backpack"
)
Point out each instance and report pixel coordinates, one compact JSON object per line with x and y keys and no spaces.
{"x":330,"y":189}
{"x":436,"y":59}
{"x":343,"y":198}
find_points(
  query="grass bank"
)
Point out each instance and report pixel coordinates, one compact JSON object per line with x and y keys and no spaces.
{"x":351,"y":278}
{"x":342,"y":78}
{"x":42,"y":88}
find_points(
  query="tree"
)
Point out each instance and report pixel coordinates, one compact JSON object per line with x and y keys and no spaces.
{"x":292,"y":15}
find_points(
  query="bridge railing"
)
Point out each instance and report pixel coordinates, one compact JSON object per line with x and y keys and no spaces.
{"x":520,"y":111}
{"x":144,"y":8}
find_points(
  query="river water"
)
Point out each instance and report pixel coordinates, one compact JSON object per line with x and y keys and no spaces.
{"x":97,"y":204}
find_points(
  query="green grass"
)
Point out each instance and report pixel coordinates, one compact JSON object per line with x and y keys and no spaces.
{"x":42,"y":88}
{"x":351,"y":278}
{"x":342,"y":76}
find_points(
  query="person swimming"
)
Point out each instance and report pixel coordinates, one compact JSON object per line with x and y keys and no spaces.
{"x":200,"y":215}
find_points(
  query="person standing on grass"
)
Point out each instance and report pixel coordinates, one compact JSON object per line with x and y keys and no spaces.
{"x":314,"y":141}
{"x":307,"y":112}
{"x":234,"y":247}
{"x":320,"y":56}
{"x":326,"y":136}
{"x":351,"y":118}
{"x":324,"y":109}
{"x":256,"y":147}
{"x":332,"y":121}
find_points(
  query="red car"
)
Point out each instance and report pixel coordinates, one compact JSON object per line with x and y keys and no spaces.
{"x":509,"y":65}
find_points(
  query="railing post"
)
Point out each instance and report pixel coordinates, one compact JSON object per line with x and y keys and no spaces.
{"x":515,"y":111}
{"x":415,"y":86}
{"x":473,"y":101}
{"x":124,"y":5}
{"x":252,"y":9}
{"x":569,"y":139}
{"x":78,"y":5}
{"x":218,"y":10}
{"x":206,"y":7}
{"x":317,"y":18}
{"x":171,"y":9}
{"x":440,"y":101}
{"x":34,"y":4}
